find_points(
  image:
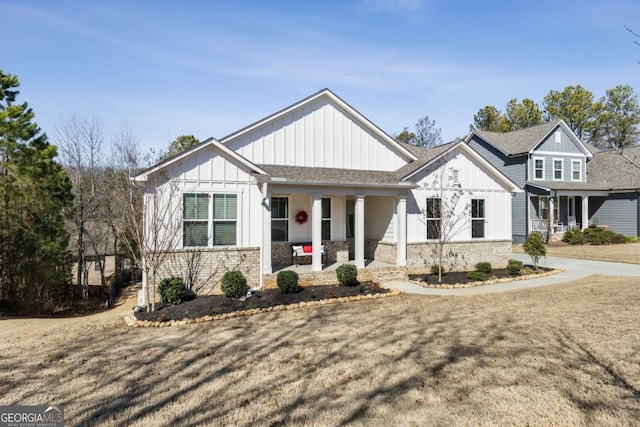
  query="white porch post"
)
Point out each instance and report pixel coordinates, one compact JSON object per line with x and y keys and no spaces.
{"x":316,"y":232}
{"x":585,"y":212}
{"x":266,"y":234}
{"x":552,"y":220}
{"x":401,"y":238}
{"x":359,"y":230}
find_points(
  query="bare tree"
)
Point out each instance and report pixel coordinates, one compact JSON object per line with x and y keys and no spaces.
{"x":446,"y":214}
{"x":149,"y":225}
{"x":80,"y":141}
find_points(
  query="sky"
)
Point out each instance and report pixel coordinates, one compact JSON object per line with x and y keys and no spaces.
{"x":209,"y":68}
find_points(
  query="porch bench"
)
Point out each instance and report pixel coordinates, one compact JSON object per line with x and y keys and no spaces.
{"x":298,"y":249}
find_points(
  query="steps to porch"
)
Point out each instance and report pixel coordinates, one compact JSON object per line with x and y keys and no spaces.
{"x":374,"y":271}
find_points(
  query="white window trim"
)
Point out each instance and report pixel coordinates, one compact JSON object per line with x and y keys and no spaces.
{"x":558,"y":137}
{"x":210,"y":220}
{"x":484,"y":219}
{"x":427,"y":219}
{"x":329,"y":219}
{"x":580,"y":170}
{"x":561,"y":169}
{"x":534,"y":168}
{"x":282,"y":196}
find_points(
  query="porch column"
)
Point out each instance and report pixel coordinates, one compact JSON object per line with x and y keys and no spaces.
{"x":585,"y":212}
{"x":359,"y":230}
{"x":266,"y":234}
{"x":401,"y":239}
{"x":316,"y":232}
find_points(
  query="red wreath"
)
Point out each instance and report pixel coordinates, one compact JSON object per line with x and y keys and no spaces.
{"x":301,"y":217}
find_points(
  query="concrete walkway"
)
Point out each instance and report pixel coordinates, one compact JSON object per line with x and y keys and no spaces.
{"x":574,"y":269}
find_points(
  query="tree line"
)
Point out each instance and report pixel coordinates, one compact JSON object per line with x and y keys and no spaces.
{"x":64,"y":200}
{"x":607,"y":122}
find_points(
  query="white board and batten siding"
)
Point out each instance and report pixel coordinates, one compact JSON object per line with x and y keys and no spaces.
{"x":208,"y":172}
{"x":475,"y":184}
{"x":319,"y":134}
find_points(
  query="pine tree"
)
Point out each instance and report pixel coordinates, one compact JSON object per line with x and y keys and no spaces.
{"x":34,"y":193}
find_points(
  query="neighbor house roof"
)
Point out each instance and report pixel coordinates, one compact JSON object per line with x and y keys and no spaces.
{"x":519,"y":141}
{"x":425,"y":156}
{"x":320,"y":176}
{"x":609,"y":170}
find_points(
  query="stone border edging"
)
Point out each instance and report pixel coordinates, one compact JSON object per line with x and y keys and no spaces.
{"x":131,"y":320}
{"x":489,"y":282}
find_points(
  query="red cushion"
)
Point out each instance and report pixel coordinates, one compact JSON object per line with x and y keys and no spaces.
{"x":307,"y":249}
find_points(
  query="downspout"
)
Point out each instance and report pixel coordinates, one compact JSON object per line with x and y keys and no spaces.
{"x":638,"y":214}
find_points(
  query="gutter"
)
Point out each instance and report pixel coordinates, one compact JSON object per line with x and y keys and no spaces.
{"x":278,"y":180}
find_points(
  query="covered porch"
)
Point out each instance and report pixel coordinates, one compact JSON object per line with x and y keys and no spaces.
{"x":357,"y":222}
{"x":554,"y":211}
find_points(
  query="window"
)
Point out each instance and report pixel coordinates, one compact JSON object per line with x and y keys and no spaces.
{"x":279,"y":219}
{"x":326,"y":219}
{"x":96,"y":266}
{"x":196,"y":219}
{"x":572,"y":206}
{"x":558,"y":137}
{"x":477,"y":218}
{"x":225,"y":217}
{"x":433,"y":218}
{"x":538,"y":168}
{"x":576,"y":170}
{"x":557,"y":169}
{"x":195,"y":216}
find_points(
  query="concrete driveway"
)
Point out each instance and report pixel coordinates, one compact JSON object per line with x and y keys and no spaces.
{"x":574,"y":269}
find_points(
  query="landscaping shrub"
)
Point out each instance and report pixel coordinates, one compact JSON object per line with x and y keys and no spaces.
{"x":171,"y":290}
{"x":514,"y":267}
{"x":288,"y":282}
{"x":434,"y":269}
{"x":483,"y":267}
{"x":534,"y":247}
{"x":234,"y":284}
{"x":593,"y":236}
{"x":476,"y":276}
{"x":347,"y":275}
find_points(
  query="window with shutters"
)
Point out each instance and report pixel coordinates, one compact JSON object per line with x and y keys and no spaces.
{"x":206,"y":215}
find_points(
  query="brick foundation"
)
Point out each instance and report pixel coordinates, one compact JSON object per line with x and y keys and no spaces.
{"x":381,"y":251}
{"x":459,"y":256}
{"x":208,"y":266}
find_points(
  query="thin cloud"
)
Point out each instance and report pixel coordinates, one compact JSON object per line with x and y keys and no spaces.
{"x":392,"y":6}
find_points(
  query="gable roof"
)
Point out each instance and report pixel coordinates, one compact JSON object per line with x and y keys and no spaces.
{"x":430,"y":156}
{"x":211,"y":142}
{"x":366,"y":123}
{"x":523,"y":141}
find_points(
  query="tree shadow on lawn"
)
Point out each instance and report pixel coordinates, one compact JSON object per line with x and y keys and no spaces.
{"x":330,"y":365}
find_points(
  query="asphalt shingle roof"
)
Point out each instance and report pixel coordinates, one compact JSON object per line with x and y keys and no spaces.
{"x":608,"y":170}
{"x":519,"y":141}
{"x":331,"y":175}
{"x":424,"y":157}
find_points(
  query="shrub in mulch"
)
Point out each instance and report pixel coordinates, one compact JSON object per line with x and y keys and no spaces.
{"x":461,"y":277}
{"x":210,"y":305}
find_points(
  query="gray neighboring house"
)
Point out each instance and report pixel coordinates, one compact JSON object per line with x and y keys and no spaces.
{"x":567,"y":184}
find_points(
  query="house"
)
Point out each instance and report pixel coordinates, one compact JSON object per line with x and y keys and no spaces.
{"x":319,"y":172}
{"x":566,"y":183}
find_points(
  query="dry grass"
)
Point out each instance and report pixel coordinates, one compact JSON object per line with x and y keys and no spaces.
{"x":628,"y":252}
{"x":562,"y":355}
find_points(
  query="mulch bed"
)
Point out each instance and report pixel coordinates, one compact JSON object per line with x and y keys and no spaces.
{"x":460,"y":277}
{"x":209,"y":305}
